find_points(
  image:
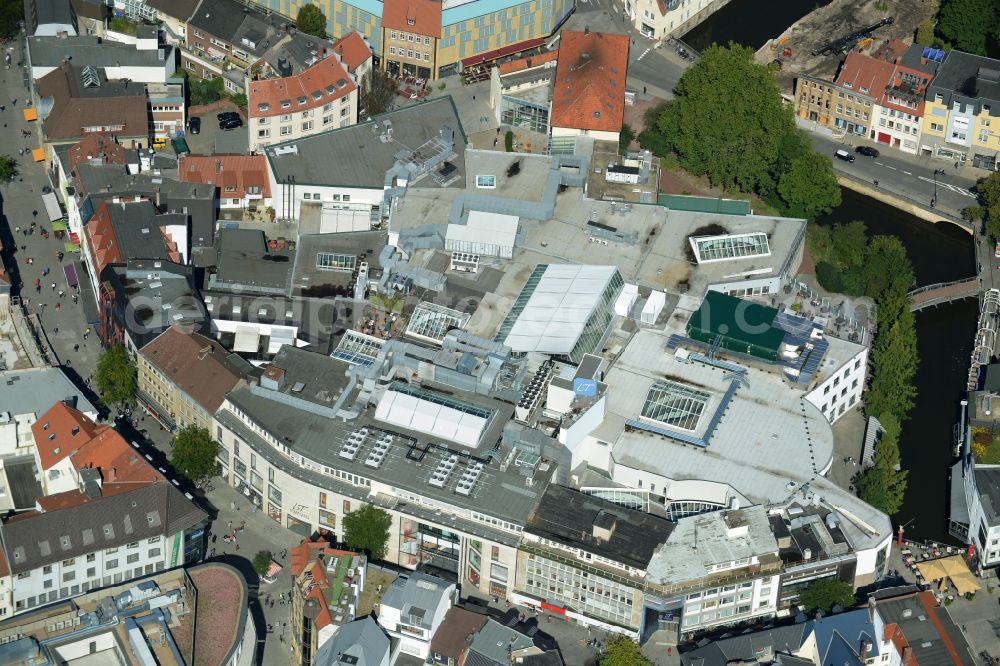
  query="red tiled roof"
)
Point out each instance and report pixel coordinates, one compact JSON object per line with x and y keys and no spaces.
{"x":528,"y":63}
{"x":101,"y":240}
{"x":315,"y":86}
{"x":897,"y":80}
{"x":891,"y":51}
{"x":353,"y":50}
{"x":226,"y":171}
{"x":96,"y":147}
{"x":589,"y":90}
{"x":118,"y":462}
{"x":865,"y":75}
{"x":59,"y":432}
{"x":425,"y":14}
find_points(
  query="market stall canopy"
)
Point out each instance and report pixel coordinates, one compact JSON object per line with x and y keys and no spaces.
{"x":30,"y":114}
{"x":954,"y":568}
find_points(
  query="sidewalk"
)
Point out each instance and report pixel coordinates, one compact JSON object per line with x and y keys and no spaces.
{"x":259,"y":532}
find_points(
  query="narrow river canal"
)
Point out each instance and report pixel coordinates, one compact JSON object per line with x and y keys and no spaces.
{"x":939,"y":253}
{"x":749,"y":22}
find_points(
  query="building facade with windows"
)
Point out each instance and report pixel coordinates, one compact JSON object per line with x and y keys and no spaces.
{"x":458,"y":34}
{"x":184,"y":376}
{"x":82,"y":540}
{"x":585,"y":558}
{"x":962,"y":111}
{"x":659,"y":19}
{"x":419,"y":455}
{"x":321,"y":97}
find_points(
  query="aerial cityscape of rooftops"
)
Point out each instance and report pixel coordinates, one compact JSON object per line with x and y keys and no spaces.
{"x":491,"y":332}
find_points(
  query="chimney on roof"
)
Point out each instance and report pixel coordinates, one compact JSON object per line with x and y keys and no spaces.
{"x":218,"y":166}
{"x":112,"y":475}
{"x":863,"y":651}
{"x":586,"y":29}
{"x":157,"y":199}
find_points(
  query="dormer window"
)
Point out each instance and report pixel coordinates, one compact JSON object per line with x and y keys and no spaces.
{"x":286,"y":103}
{"x":302,"y":100}
{"x":263,"y":106}
{"x":410,"y":21}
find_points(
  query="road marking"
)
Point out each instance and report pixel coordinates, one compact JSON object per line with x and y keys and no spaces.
{"x":890,"y":167}
{"x":641,"y":55}
{"x":947,"y":186}
{"x":908,"y":173}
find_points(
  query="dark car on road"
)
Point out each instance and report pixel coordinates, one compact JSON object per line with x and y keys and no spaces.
{"x":230,"y":123}
{"x":227,"y":115}
{"x":867,"y":151}
{"x":194,"y":125}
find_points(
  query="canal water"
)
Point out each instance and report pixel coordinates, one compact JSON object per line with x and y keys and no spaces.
{"x":748,"y":22}
{"x":939,"y":253}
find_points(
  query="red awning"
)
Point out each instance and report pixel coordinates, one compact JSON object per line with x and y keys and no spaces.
{"x":553,"y":609}
{"x":74,"y":238}
{"x":505,"y":51}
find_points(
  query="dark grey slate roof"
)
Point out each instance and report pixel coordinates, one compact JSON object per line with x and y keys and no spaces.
{"x":42,"y":12}
{"x":720,"y":653}
{"x":154,"y":510}
{"x":569,"y":517}
{"x":137,"y":228}
{"x":968,"y":77}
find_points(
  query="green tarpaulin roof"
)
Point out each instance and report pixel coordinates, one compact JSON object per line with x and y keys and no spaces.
{"x":745,"y":327}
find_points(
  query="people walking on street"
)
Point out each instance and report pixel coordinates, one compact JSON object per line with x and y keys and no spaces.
{"x":53,"y":284}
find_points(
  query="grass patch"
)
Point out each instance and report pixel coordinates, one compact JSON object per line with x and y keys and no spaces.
{"x":986,"y":446}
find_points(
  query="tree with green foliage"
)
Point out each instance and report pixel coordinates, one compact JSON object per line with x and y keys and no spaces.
{"x":239,"y":99}
{"x":988,"y":190}
{"x":882,"y":485}
{"x":205,"y":91}
{"x":262,"y":561}
{"x":8,"y":168}
{"x":377,"y":92}
{"x":367,"y":529}
{"x":508,"y":141}
{"x":115,"y":376}
{"x":193,"y":454}
{"x":886,"y":272}
{"x":973,"y":214}
{"x":925,"y":32}
{"x":650,"y":137}
{"x":848,"y":243}
{"x":967,"y":24}
{"x":11,"y":15}
{"x":311,"y":20}
{"x":728,"y":120}
{"x":625,"y":138}
{"x":825,"y":593}
{"x":894,"y":360}
{"x":809,"y":187}
{"x":622,"y":651}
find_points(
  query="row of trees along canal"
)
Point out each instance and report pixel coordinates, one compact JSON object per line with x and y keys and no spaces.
{"x":729,"y":124}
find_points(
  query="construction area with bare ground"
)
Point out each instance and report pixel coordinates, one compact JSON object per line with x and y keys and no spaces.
{"x":835,"y":22}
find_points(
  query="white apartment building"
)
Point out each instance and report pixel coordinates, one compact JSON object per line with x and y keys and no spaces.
{"x":717,"y":568}
{"x":321,"y":97}
{"x":85,"y":541}
{"x":659,"y":19}
{"x":413,"y":608}
{"x":840,"y":380}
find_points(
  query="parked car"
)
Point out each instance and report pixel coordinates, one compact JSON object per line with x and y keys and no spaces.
{"x":844,"y":155}
{"x":194,"y":125}
{"x":867,"y":151}
{"x":230,"y":123}
{"x":227,"y":114}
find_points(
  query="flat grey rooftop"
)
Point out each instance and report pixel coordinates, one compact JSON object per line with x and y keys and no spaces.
{"x":664,"y":262}
{"x":356,"y":157}
{"x":22,"y":480}
{"x":308,"y":278}
{"x":409,"y":463}
{"x":767,"y":438}
{"x":701,"y":541}
{"x":988,"y":487}
{"x":86,"y":50}
{"x":36,"y":390}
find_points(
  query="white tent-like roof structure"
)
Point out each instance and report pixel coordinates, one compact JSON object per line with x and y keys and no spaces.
{"x":557,"y":311}
{"x":413,"y":413}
